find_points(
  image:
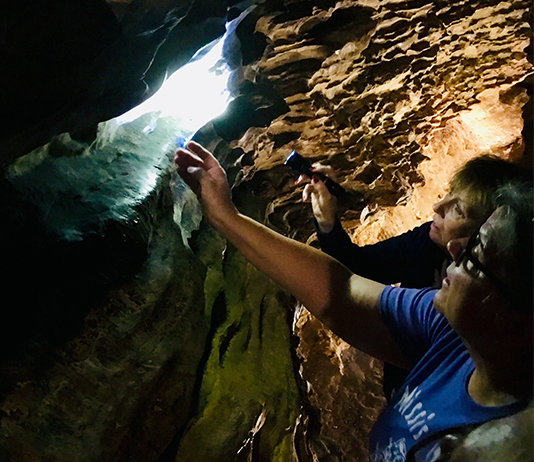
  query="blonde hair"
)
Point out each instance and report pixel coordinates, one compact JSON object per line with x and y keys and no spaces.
{"x":482,"y":176}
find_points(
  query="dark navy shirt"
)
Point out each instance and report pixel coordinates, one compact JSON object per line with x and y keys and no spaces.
{"x":411,"y":259}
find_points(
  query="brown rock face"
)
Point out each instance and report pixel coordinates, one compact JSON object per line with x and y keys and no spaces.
{"x":395,"y":98}
{"x":130,"y":332}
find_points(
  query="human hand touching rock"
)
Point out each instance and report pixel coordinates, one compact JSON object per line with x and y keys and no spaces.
{"x":204,"y":175}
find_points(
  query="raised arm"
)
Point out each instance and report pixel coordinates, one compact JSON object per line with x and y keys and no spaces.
{"x":410,"y":258}
{"x":346,"y":303}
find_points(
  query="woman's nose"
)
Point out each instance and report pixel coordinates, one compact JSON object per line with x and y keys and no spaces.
{"x":438,"y":208}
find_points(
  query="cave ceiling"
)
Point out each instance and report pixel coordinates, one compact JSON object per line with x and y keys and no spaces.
{"x":130,"y":331}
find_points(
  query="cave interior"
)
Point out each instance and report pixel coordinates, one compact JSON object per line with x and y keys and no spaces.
{"x":130,"y":330}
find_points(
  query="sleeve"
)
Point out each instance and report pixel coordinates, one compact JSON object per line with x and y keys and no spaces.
{"x":408,"y":258}
{"x":412,"y":319}
{"x":337,"y":244}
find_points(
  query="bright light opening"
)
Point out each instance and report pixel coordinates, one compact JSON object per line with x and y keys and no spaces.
{"x":118,"y":170}
{"x":194,"y":94}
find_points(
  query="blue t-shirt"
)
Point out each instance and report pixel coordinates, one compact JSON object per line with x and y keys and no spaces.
{"x":434,"y":396}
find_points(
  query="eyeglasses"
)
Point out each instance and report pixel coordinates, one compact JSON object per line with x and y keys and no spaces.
{"x":467,"y":254}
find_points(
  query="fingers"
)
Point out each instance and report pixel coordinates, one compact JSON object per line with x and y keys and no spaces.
{"x":317,"y":168}
{"x":195,"y":155}
{"x":185,"y":159}
{"x":206,"y":156}
{"x":305,"y":178}
{"x":324,"y":169}
{"x":195,"y":172}
{"x":319,"y":186}
{"x":307,"y":192}
{"x":190,"y":168}
{"x":301,"y":179}
{"x":316,"y":186}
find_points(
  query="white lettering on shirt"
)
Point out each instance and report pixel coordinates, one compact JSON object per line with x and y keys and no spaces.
{"x":413,"y":413}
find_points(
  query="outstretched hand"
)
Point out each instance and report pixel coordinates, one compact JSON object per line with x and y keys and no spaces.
{"x":324,"y":204}
{"x":204,"y":175}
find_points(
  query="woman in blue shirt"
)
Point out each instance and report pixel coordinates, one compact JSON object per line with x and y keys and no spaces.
{"x":417,"y":258}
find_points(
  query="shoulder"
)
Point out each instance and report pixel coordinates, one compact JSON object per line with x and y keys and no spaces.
{"x":409,"y":308}
{"x":394,"y":300}
{"x":419,"y":232}
{"x":411,"y":318}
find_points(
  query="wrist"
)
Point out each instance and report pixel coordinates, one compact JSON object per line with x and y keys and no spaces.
{"x":325,"y":227}
{"x":223,"y":217}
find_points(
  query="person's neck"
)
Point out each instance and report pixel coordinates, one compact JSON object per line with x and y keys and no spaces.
{"x":499,"y":385}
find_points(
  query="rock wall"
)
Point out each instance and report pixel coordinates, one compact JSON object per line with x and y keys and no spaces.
{"x":130,"y":330}
{"x":73,"y":65}
{"x":395,"y":97}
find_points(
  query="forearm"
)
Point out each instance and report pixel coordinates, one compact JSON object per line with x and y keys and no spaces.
{"x":343,"y":301}
{"x":338,"y":245}
{"x":346,"y":303}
